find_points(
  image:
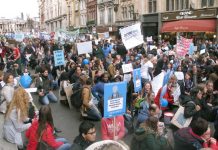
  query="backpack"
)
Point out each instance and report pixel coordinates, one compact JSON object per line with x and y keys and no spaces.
{"x":76,"y":98}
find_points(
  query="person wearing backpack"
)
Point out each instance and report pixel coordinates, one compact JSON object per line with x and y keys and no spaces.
{"x":88,"y":109}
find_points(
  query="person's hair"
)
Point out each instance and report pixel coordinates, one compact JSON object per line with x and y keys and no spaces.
{"x":85,"y":126}
{"x":20,"y":102}
{"x":89,"y":81}
{"x":195,"y":90}
{"x":151,"y":123}
{"x":152,"y":107}
{"x":43,"y":69}
{"x":208,"y":82}
{"x":6,"y":77}
{"x":45,"y":117}
{"x":199,"y":126}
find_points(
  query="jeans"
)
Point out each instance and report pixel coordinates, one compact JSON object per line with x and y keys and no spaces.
{"x":93,"y":113}
{"x":49,"y":97}
{"x":65,"y":146}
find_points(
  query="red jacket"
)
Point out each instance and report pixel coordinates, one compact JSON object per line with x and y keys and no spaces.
{"x":107,"y":128}
{"x":166,"y":96}
{"x":47,"y":136}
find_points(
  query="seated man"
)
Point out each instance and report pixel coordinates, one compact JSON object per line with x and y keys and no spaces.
{"x":191,"y":138}
{"x":86,"y":137}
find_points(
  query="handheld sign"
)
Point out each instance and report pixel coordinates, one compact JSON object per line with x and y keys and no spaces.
{"x":115,"y":99}
{"x":85,"y":47}
{"x":127,"y":68}
{"x":59,"y":57}
{"x":137,"y":80}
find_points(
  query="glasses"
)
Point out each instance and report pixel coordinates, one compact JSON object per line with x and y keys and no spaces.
{"x":94,"y":132}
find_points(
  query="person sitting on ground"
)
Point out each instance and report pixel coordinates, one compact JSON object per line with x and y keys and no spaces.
{"x":88,"y":109}
{"x":147,"y":137}
{"x":44,"y":86}
{"x":42,"y":129}
{"x":86,"y":137}
{"x":191,"y":138}
{"x":16,"y":115}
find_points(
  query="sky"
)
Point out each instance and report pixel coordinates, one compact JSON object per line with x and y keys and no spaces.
{"x":12,"y":8}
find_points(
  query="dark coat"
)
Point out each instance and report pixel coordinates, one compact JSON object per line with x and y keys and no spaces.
{"x":147,"y":139}
{"x":80,"y":143}
{"x":185,"y":140}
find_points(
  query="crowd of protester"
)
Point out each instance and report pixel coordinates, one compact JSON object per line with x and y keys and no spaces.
{"x":32,"y":128}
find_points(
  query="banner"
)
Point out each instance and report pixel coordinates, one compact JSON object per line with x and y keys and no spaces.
{"x":132,"y":36}
{"x":182,"y":46}
{"x":85,"y":47}
{"x":59,"y":57}
{"x":157,"y":82}
{"x":137,"y":80}
{"x":115,"y":99}
{"x":19,"y":37}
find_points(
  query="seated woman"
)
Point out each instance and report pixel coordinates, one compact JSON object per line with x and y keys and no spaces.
{"x":147,"y":137}
{"x":42,"y":130}
{"x":15,"y":117}
{"x":107,"y":128}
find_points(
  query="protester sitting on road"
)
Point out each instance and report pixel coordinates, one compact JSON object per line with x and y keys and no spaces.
{"x":7,"y":91}
{"x":191,"y":138}
{"x":108,"y":125}
{"x":44,"y":85}
{"x":42,"y":129}
{"x":147,"y":137}
{"x":89,"y":110}
{"x":86,"y":137}
{"x":16,"y":118}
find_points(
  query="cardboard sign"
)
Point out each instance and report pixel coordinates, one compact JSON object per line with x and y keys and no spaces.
{"x":85,"y":47}
{"x":127,"y":68}
{"x":179,"y":120}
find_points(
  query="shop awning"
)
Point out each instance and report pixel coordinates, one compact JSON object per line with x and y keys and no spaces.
{"x":206,"y":25}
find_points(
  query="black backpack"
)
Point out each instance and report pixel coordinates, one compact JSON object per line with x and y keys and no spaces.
{"x":76,"y":98}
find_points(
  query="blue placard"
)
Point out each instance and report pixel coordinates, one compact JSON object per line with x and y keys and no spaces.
{"x":115,"y":99}
{"x":19,"y":37}
{"x":59,"y":57}
{"x":137,"y":80}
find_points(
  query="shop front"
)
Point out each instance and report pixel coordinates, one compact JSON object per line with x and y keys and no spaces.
{"x":150,"y":25}
{"x":112,"y":30}
{"x":201,"y":24}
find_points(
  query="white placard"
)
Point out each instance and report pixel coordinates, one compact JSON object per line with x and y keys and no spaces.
{"x":179,"y":75}
{"x":127,"y":68}
{"x":85,"y":47}
{"x":157,"y":82}
{"x":127,"y":77}
{"x":115,"y":104}
{"x":202,"y":51}
{"x":153,"y":47}
{"x":176,"y":93}
{"x":149,"y":39}
{"x":31,"y":90}
{"x":132,"y":36}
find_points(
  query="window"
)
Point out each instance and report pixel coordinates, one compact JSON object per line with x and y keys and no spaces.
{"x":124,"y":12}
{"x":186,"y":4}
{"x":169,"y":5}
{"x":207,"y":3}
{"x":181,"y":4}
{"x":177,"y":4}
{"x":152,"y":6}
{"x":131,"y":11}
{"x":101,"y":16}
{"x":110,"y":15}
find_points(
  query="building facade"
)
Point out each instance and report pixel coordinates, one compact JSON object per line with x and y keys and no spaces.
{"x":91,"y":15}
{"x":12,"y":25}
{"x":54,"y":14}
{"x":158,"y":17}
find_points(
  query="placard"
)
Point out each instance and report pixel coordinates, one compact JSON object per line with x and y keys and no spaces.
{"x":115,"y":99}
{"x":59,"y":57}
{"x":202,"y":51}
{"x":179,"y":120}
{"x":149,"y":39}
{"x":132,"y":36}
{"x":85,"y":47}
{"x":127,"y":77}
{"x":127,"y":68}
{"x":179,"y":75}
{"x":137,"y":80}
